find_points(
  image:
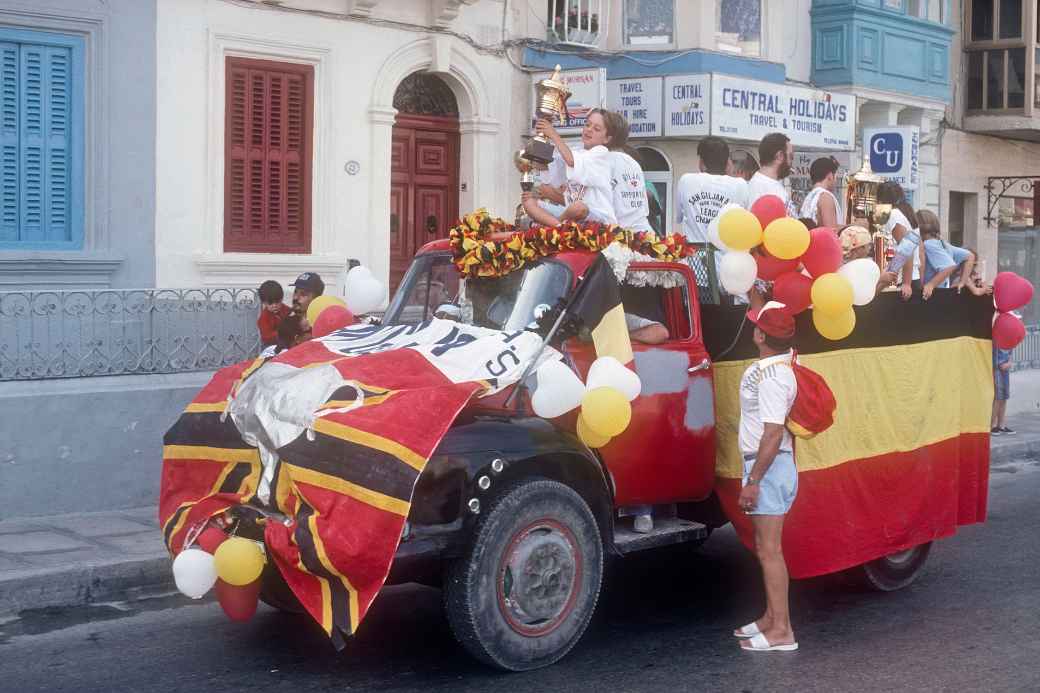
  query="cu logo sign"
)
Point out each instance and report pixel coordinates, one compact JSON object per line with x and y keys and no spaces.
{"x":886,"y":152}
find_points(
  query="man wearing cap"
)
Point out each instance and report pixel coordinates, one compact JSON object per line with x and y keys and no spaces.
{"x":308,"y":286}
{"x":770,"y":479}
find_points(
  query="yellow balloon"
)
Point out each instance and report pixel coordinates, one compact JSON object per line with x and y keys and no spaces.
{"x":590,"y":437}
{"x":834,"y":326}
{"x":739,"y":229}
{"x":606,"y":411}
{"x":832,"y":294}
{"x":319,"y":304}
{"x":786,"y":238}
{"x":238,"y":561}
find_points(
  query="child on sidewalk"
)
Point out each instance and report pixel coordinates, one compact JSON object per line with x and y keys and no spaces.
{"x":1001,"y":392}
{"x":272,"y":312}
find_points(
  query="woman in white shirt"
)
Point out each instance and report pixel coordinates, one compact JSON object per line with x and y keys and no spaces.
{"x":905,"y":267}
{"x":588,"y":194}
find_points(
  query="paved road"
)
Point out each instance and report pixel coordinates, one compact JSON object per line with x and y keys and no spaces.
{"x":970,"y":623}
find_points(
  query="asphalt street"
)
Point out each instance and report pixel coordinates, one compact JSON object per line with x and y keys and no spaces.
{"x":970,"y":623}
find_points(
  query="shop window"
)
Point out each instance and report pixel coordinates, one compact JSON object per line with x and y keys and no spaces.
{"x":267,"y":156}
{"x":649,"y":23}
{"x":41,"y":140}
{"x":738,"y":26}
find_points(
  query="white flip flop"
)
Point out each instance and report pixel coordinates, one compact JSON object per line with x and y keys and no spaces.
{"x":758,"y":643}
{"x":747,"y":631}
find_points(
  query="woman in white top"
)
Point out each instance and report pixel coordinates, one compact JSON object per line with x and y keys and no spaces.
{"x":905,"y":267}
{"x":820,"y":204}
{"x":588,"y":194}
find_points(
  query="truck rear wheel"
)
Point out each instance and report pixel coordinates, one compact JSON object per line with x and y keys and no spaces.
{"x":525,"y":592}
{"x":897,"y":570}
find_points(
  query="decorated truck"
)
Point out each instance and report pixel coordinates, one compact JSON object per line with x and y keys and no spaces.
{"x":410,"y":450}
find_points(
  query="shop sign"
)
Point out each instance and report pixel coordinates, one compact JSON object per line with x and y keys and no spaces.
{"x":588,"y":91}
{"x":686,"y":105}
{"x":745,"y":109}
{"x":639,"y":100}
{"x":895,"y":154}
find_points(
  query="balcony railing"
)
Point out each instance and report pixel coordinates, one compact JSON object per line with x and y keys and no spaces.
{"x":69,"y":334}
{"x":576,"y":22}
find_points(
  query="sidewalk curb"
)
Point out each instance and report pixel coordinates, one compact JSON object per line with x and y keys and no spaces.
{"x":78,"y":585}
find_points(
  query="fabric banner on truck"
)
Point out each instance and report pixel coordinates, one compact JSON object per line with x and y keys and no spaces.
{"x":333,"y":434}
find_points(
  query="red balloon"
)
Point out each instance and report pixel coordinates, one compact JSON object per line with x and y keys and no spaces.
{"x":211,"y":538}
{"x":238,"y":602}
{"x":1011,"y":291}
{"x":767,"y":208}
{"x":793,"y":289}
{"x":824,"y":253}
{"x":1008,"y":331}
{"x":331,"y":319}
{"x":769,"y":267}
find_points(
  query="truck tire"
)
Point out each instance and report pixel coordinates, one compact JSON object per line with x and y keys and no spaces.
{"x":895,"y":571}
{"x":524,"y":592}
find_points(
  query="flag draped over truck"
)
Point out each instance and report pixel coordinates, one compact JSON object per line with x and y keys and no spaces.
{"x":333,"y":435}
{"x":907,"y":459}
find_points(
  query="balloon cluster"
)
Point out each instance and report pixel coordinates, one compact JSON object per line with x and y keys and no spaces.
{"x":784,"y":246}
{"x":231,"y":566}
{"x":326,"y":314}
{"x":1010,"y":291}
{"x":605,"y":398}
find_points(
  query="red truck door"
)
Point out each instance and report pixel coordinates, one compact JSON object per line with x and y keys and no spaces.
{"x":667,"y":454}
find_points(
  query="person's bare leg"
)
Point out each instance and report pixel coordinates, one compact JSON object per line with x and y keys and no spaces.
{"x":1000,"y":410}
{"x":993,"y":418}
{"x":538,"y":214}
{"x":776,"y":623}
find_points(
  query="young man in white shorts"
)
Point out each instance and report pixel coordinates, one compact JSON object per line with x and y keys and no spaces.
{"x":770,"y":481}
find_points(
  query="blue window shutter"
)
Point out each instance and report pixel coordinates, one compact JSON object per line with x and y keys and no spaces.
{"x":56,"y":128}
{"x":9,"y":181}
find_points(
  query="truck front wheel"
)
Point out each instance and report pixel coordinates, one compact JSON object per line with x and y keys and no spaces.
{"x":897,"y":570}
{"x":525,"y":592}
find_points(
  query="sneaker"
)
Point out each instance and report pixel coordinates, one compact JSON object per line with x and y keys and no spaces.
{"x":1007,"y":431}
{"x":995,"y":431}
{"x":644,"y":524}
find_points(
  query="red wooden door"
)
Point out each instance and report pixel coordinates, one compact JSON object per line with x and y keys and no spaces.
{"x":424,"y":186}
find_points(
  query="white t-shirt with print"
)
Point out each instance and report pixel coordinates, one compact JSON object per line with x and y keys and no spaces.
{"x":631,"y":206}
{"x":897,"y":218}
{"x":767,"y":392}
{"x":761,"y":184}
{"x":702,"y":196}
{"x":589,"y":181}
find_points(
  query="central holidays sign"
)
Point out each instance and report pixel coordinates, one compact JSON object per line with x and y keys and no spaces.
{"x":639,"y":100}
{"x":749,"y":110}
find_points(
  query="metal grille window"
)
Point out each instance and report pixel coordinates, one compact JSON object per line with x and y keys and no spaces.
{"x":576,"y":22}
{"x":267,"y":156}
{"x":41,"y":140}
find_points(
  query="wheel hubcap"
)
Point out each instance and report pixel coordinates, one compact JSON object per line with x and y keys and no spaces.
{"x":539,"y":577}
{"x":901,"y":557}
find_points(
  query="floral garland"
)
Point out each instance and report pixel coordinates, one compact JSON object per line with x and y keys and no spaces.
{"x":477,"y":255}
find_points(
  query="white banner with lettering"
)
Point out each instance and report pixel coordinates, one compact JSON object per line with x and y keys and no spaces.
{"x":687,"y":99}
{"x":639,"y":100}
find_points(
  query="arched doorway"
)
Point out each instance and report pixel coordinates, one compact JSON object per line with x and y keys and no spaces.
{"x":424,"y":168}
{"x":658,"y":173}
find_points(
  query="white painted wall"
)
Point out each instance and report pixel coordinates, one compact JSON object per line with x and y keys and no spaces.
{"x":357,"y":68}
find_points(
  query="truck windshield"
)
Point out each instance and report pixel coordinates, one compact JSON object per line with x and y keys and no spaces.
{"x":432,"y":288}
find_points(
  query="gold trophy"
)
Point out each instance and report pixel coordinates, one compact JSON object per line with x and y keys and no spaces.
{"x":551,"y":104}
{"x":862,"y":208}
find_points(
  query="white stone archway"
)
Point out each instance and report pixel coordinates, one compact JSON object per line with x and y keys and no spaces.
{"x":450,"y":60}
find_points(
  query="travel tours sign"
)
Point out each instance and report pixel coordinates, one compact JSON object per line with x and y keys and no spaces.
{"x":745,"y":109}
{"x":687,"y":100}
{"x":639,"y":100}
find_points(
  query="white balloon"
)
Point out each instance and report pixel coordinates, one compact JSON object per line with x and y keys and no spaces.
{"x":360,"y":272}
{"x":364,"y":295}
{"x":863,"y":274}
{"x":737,"y":272}
{"x":559,"y":390}
{"x":607,"y":371}
{"x":713,"y":226}
{"x":194,"y":573}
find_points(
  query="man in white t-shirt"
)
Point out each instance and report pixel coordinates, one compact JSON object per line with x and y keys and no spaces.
{"x":703,"y":195}
{"x":775,"y":154}
{"x":770,"y":479}
{"x":631,"y":206}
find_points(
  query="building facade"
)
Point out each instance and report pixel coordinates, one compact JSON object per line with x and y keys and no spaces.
{"x":77,"y":142}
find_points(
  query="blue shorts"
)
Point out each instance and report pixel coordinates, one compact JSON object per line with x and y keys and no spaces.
{"x":1001,"y":385}
{"x":778,"y":488}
